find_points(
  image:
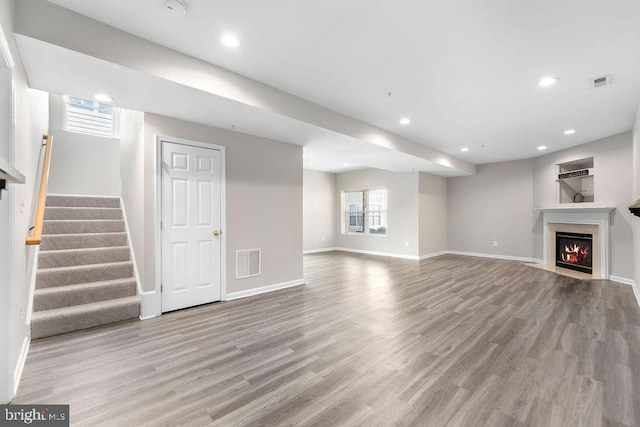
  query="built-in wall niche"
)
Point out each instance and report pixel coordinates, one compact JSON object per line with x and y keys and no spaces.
{"x":575,"y":181}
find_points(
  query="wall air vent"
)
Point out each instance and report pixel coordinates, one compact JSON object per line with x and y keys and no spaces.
{"x":248,"y":263}
{"x":600,"y":81}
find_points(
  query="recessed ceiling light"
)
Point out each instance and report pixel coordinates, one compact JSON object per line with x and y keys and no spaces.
{"x":405,"y":121}
{"x":542,"y":147}
{"x":177,"y":7}
{"x":346,"y":164}
{"x":229,"y":40}
{"x":102,"y":97}
{"x":464,"y":149}
{"x":547,"y":81}
{"x":569,"y":131}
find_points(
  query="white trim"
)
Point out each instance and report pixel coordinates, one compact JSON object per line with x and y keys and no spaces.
{"x":6,"y":51}
{"x":157,"y":215}
{"x":317,"y":251}
{"x":22,"y":360}
{"x":622,"y":280}
{"x":264,"y":289}
{"x":32,"y":284}
{"x":494,"y":256}
{"x":433,"y":255}
{"x":387,"y":254}
{"x":144,"y":308}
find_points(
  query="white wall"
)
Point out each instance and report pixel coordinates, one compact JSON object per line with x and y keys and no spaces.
{"x":132,"y":174}
{"x":319,"y":210}
{"x":402,"y":215}
{"x":264,"y":200}
{"x":432,"y":206}
{"x":24,"y":119}
{"x":82,"y":164}
{"x":494,"y":205}
{"x":613,"y":182}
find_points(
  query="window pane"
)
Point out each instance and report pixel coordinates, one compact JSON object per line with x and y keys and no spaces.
{"x":378,"y":200}
{"x":377,"y":206}
{"x":354,"y":202}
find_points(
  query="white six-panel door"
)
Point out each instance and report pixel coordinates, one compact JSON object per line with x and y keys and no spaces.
{"x":190,"y":226}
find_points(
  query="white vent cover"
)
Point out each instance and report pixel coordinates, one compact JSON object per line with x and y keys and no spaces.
{"x":600,"y":81}
{"x":248,"y":263}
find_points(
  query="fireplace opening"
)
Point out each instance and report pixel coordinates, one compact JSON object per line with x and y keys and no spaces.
{"x":573,"y":251}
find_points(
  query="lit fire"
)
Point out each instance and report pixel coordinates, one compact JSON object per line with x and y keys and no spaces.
{"x":575,"y":254}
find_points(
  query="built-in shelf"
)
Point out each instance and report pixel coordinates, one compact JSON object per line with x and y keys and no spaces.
{"x":575,"y":181}
{"x":635,"y":208}
{"x":9,"y":174}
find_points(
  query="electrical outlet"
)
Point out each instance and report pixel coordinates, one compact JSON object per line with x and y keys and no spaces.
{"x":495,"y":243}
{"x":21,"y":311}
{"x":21,"y":204}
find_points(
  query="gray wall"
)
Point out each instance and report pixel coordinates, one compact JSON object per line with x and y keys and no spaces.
{"x":319,"y":210}
{"x":613,"y":182}
{"x":636,"y":196}
{"x":20,"y":145}
{"x":81,"y":164}
{"x":264,"y":200}
{"x":432,"y":209}
{"x":494,"y":205}
{"x":402,"y":198}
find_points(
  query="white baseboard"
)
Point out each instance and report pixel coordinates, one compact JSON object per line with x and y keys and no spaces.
{"x":432,"y":255}
{"x":495,"y":256}
{"x":22,"y":360}
{"x":317,"y":251}
{"x":264,"y":289}
{"x":622,"y":280}
{"x":387,"y":254}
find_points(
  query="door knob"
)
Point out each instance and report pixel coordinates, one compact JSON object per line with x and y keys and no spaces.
{"x":217,"y":232}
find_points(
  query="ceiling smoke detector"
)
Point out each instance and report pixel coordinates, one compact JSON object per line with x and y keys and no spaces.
{"x":600,"y":81}
{"x":176,"y":7}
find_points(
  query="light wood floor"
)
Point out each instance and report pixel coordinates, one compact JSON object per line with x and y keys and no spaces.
{"x":367,"y":341}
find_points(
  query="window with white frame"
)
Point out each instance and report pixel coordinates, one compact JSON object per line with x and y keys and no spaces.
{"x":90,"y":117}
{"x":366,"y":211}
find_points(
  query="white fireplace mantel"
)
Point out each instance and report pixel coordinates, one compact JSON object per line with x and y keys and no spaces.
{"x":599,"y":216}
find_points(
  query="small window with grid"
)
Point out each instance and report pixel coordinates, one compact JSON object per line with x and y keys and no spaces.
{"x":89,"y":117}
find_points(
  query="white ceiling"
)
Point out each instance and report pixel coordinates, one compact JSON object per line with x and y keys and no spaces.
{"x":464,"y":71}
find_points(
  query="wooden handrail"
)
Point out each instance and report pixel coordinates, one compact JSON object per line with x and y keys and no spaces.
{"x":42,"y":195}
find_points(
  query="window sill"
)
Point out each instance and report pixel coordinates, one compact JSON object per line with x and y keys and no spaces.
{"x":364,"y":234}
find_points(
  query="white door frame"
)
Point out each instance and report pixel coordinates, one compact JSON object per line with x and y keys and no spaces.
{"x":223,"y":212}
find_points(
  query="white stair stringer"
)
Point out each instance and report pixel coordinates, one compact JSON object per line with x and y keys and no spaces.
{"x":85,"y":275}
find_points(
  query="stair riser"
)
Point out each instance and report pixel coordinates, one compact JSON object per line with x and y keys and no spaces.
{"x":89,"y":202}
{"x":83,"y":257}
{"x":81,"y":213}
{"x":79,"y":227}
{"x":47,"y":279}
{"x":59,"y":242}
{"x":82,"y":295}
{"x":74,"y":322}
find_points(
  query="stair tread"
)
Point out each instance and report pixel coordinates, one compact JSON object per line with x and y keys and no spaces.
{"x":83,"y":220}
{"x":86,"y":266}
{"x":76,"y":250}
{"x":84,"y":308}
{"x":80,"y":286}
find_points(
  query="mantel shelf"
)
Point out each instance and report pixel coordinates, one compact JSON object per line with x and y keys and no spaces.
{"x":577,"y":208}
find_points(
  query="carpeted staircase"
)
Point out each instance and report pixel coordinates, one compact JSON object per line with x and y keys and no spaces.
{"x":85,"y":273}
